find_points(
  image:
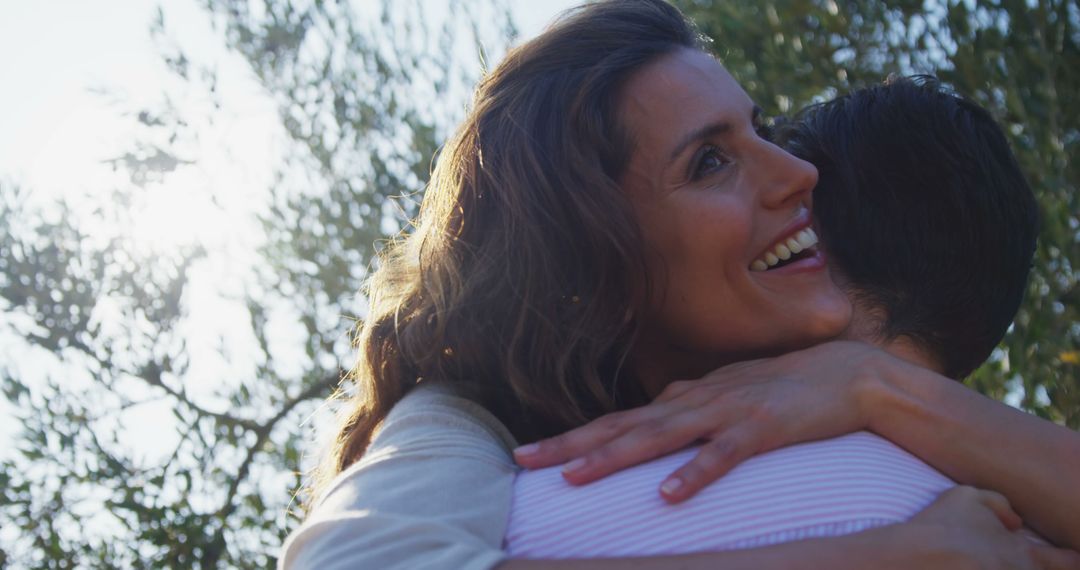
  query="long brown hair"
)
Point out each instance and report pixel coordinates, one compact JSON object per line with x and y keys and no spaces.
{"x":517,"y":283}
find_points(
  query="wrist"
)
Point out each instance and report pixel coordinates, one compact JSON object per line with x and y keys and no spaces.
{"x":893,"y":547}
{"x":876,"y":392}
{"x":922,"y":545}
{"x":894,"y":393}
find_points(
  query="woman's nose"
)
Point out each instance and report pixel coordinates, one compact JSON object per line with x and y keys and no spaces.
{"x":788,"y":178}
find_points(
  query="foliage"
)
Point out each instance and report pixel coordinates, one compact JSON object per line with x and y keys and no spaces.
{"x":365,"y":92}
{"x":105,"y":324}
{"x":1019,"y":59}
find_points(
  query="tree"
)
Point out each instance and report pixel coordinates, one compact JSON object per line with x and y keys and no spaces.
{"x":1019,"y":59}
{"x":365,"y":93}
{"x":96,"y":326}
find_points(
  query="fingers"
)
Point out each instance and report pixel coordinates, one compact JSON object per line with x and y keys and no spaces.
{"x":714,"y":460}
{"x":959,"y":501}
{"x":997,"y":503}
{"x":649,"y":440}
{"x":576,"y":442}
{"x":677,"y":388}
{"x":1050,"y":558}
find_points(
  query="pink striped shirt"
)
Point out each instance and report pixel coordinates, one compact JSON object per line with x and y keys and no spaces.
{"x":823,"y":488}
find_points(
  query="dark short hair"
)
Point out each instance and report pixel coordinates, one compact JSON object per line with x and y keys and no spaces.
{"x":923,"y":208}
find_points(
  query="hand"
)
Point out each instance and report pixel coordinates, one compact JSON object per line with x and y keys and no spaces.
{"x":738,"y":411}
{"x":972,"y":528}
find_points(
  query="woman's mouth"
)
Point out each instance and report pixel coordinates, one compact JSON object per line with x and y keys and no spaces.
{"x":795,"y":247}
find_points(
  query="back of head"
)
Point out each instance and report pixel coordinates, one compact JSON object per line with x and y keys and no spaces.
{"x":515,"y":280}
{"x":925,"y":212}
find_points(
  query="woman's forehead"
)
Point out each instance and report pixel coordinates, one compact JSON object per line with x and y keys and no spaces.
{"x":681,"y":92}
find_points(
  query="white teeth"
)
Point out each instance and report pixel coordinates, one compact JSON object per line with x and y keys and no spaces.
{"x":803,"y":240}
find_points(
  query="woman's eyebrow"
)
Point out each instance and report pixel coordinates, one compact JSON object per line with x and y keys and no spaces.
{"x":708,"y":131}
{"x":711,"y":130}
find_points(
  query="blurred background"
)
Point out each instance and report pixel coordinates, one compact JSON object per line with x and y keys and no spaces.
{"x":191,"y":193}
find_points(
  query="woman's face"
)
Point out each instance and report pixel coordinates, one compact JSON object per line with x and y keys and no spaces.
{"x":715,"y":200}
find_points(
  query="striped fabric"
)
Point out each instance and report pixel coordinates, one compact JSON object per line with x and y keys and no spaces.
{"x":824,"y":488}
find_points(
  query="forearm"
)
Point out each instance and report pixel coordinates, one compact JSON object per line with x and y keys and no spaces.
{"x":984,"y":443}
{"x":883,"y":548}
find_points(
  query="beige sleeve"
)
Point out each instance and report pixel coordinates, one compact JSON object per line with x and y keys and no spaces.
{"x":433,"y":491}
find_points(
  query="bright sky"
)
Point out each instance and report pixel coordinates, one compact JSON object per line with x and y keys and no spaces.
{"x":58,"y":51}
{"x":73,"y":72}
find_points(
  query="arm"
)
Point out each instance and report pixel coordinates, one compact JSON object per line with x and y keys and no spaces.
{"x":982,"y":442}
{"x":826,"y":391}
{"x":434,"y":492}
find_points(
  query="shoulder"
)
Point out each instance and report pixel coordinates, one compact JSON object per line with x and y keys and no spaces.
{"x":431,"y":440}
{"x":435,"y":410}
{"x":433,"y":490}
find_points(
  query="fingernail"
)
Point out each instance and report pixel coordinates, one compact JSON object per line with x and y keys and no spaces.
{"x":574,"y":465}
{"x":529,"y":449}
{"x":671,"y":486}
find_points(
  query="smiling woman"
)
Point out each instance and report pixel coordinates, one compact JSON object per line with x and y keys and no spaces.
{"x":713,"y":196}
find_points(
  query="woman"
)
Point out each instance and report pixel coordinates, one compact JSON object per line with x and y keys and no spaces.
{"x":581,"y":243}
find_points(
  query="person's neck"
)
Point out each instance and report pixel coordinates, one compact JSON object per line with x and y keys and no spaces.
{"x":655,"y":366}
{"x":866,"y":326}
{"x":904,"y":349}
{"x":657,"y":362}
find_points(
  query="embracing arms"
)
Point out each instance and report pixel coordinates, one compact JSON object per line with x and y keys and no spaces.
{"x":434,"y":492}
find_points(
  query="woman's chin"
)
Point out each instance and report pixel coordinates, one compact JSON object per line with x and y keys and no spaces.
{"x":814,"y":321}
{"x":835,"y":316}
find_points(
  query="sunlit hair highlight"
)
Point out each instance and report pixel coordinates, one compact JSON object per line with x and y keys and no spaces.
{"x":518,"y":282}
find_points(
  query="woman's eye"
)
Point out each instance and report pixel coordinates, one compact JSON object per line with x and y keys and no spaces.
{"x":711,"y":160}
